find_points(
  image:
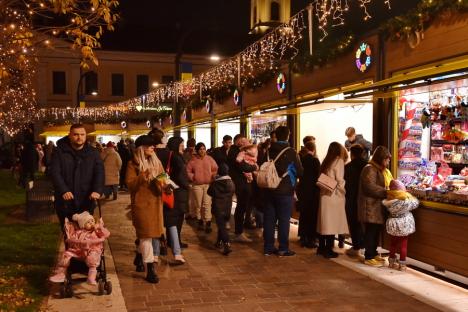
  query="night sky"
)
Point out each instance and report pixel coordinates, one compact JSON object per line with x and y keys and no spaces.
{"x":211,"y":26}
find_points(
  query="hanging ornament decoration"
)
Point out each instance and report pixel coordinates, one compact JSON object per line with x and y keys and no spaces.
{"x":123,"y":125}
{"x":208,"y":105}
{"x":281,"y":83}
{"x":236,"y":97}
{"x":148,"y":124}
{"x":363,"y":57}
{"x":170,"y":119}
{"x":184,"y":115}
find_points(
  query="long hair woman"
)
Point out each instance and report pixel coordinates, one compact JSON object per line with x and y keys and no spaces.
{"x":332,"y":213}
{"x":147,"y":208}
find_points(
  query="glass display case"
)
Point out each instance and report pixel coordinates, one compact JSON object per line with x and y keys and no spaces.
{"x":432,"y":150}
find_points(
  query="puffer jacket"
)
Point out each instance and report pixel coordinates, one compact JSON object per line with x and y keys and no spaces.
{"x":400,"y":221}
{"x":221,"y":191}
{"x":80,"y":172}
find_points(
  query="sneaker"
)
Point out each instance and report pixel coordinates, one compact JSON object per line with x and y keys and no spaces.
{"x":270,"y":253}
{"x":179,"y":260}
{"x":288,"y":253}
{"x":373,"y":262}
{"x":379,"y":258}
{"x":226,"y":249}
{"x":58,"y":277}
{"x":352,"y":253}
{"x":330,"y":254}
{"x":241,"y":238}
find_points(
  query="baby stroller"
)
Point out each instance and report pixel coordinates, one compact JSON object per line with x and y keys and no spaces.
{"x":79,"y":266}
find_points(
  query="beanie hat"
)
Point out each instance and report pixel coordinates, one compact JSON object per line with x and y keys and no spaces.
{"x":145,"y":140}
{"x":82,"y":218}
{"x":110,"y":144}
{"x":397,"y":185}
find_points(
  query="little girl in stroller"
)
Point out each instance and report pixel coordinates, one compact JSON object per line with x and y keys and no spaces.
{"x":84,"y":241}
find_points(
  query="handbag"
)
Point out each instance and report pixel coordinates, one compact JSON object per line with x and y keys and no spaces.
{"x":168,"y":198}
{"x":326,"y":183}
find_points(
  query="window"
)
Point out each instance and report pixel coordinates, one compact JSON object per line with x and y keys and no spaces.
{"x":117,"y":84}
{"x":91,"y":83}
{"x":275,"y":11}
{"x":142,"y":84}
{"x":59,"y":82}
{"x":167,"y":79}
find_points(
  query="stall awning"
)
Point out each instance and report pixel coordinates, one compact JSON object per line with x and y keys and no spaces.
{"x":54,"y":133}
{"x":138,"y":131}
{"x":108,"y":132}
{"x":423,"y":74}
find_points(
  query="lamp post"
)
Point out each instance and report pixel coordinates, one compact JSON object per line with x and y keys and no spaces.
{"x":79,"y":96}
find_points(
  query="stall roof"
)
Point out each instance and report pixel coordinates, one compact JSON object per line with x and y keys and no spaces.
{"x":422,"y":73}
{"x":54,"y":133}
{"x":138,"y":131}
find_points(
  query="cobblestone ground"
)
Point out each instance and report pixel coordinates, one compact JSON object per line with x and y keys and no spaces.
{"x":244,"y":281}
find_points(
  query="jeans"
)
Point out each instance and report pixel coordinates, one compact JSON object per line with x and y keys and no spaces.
{"x":156,"y":246}
{"x":174,"y":237}
{"x":371,"y":239}
{"x":278,"y":208}
{"x":243,"y":195}
{"x":403,"y":241}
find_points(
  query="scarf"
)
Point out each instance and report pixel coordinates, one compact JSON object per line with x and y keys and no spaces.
{"x":386,"y":173}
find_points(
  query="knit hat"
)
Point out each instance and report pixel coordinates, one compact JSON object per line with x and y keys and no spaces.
{"x":82,"y":218}
{"x":145,"y":140}
{"x":110,"y":144}
{"x":397,"y":185}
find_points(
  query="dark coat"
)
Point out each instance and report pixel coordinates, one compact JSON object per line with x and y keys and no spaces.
{"x":29,"y":158}
{"x":308,"y":192}
{"x":80,"y":172}
{"x":288,"y":158}
{"x":220,"y":155}
{"x":352,"y":177}
{"x":221,"y":191}
{"x":178,"y":174}
{"x":366,"y":145}
{"x":236,"y":169}
{"x":371,"y":193}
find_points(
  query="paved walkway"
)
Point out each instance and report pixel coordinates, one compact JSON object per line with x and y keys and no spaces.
{"x":245,"y":280}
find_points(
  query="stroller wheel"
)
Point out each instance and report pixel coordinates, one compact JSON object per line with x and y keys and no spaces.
{"x":66,"y":290}
{"x":108,"y":287}
{"x":101,"y":288}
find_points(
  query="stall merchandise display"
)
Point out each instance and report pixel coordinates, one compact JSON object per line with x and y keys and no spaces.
{"x":433,"y":144}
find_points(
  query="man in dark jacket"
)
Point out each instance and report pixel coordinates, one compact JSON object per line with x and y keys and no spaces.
{"x":354,"y":138}
{"x":220,"y":154}
{"x":279,"y":201}
{"x":352,"y":177}
{"x":126,"y":155}
{"x":243,"y":189}
{"x":77,"y":174}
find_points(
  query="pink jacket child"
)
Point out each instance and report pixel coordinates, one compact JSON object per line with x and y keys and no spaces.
{"x":248,"y":154}
{"x":85,"y":242}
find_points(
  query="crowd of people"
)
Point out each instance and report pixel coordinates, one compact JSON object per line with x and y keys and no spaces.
{"x":171,"y":181}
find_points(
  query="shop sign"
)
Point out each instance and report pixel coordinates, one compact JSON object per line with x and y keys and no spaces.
{"x":281,"y":83}
{"x":158,"y":109}
{"x":363,"y":57}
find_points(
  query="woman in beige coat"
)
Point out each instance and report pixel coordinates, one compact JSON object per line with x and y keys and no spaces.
{"x":112,"y":164}
{"x":332,"y":213}
{"x":147,"y":209}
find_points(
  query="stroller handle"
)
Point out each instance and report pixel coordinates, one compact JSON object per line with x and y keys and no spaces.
{"x":98,"y":204}
{"x":87,"y":242}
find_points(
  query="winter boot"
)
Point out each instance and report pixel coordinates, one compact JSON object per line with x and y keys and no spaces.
{"x":151,"y":274}
{"x":200,"y":225}
{"x":92,"y":276}
{"x":59,"y":276}
{"x":138,"y":263}
{"x":208,"y":227}
{"x":227,"y":249}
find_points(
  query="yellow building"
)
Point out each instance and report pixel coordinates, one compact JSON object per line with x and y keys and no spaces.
{"x":266,"y":14}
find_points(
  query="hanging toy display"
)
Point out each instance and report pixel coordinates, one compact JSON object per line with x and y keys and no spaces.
{"x":281,"y":83}
{"x":236,"y":97}
{"x":123,"y":125}
{"x":363,"y":57}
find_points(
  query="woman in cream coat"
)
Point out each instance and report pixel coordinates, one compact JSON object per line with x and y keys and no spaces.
{"x":332,"y":213}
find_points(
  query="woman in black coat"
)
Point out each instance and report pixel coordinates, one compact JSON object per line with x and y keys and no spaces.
{"x":309,"y":195}
{"x":178,"y":173}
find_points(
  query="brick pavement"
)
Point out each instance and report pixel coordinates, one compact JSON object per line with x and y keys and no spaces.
{"x":245,"y":280}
